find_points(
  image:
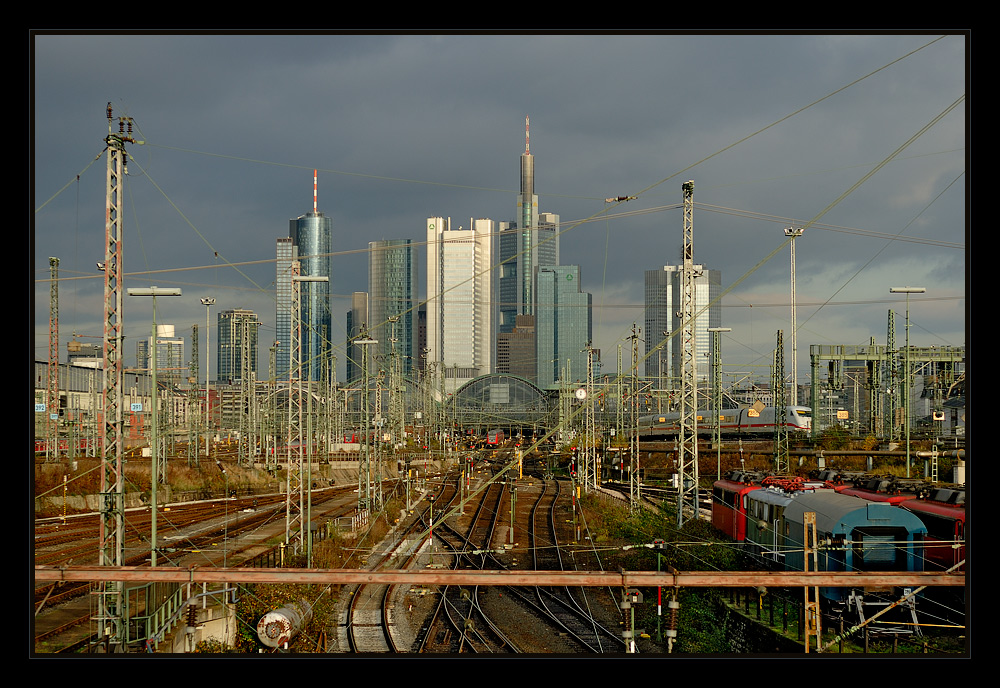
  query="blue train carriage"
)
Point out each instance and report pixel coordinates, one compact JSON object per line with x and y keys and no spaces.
{"x":765,"y":517}
{"x":856,"y":535}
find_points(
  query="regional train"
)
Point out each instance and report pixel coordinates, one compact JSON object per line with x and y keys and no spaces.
{"x":733,"y":422}
{"x":765,"y":515}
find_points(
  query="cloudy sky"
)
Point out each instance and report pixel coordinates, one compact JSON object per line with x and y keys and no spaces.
{"x":859,"y":138}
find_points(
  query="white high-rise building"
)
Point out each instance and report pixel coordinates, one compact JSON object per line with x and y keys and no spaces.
{"x":662,"y":314}
{"x":460,"y":314}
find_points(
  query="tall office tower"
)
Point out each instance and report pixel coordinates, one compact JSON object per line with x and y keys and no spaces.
{"x":516,"y":349}
{"x":170,"y":364}
{"x":460,"y":319}
{"x":525,"y":244}
{"x":527,"y":201}
{"x":563,"y":326}
{"x":663,"y":299}
{"x":311,"y":233}
{"x":392,"y":291}
{"x":235,"y":325}
{"x":357,"y":318}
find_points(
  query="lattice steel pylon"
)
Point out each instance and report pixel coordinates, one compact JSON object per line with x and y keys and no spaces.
{"x":634,"y":484}
{"x":294,"y":444}
{"x":893,"y":386}
{"x":592,"y":467}
{"x":248,"y":396}
{"x":780,"y":411}
{"x":52,"y":385}
{"x":110,"y":597}
{"x":367,"y":499}
{"x":687,"y":438}
{"x":194,"y":422}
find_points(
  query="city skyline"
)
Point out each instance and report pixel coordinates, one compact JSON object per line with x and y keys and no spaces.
{"x":770,"y":142}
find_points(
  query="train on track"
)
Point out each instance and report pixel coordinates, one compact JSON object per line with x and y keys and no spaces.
{"x":741,"y":422}
{"x":941,"y":508}
{"x":766,"y":516}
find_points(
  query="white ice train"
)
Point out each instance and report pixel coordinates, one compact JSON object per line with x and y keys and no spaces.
{"x":739,"y":422}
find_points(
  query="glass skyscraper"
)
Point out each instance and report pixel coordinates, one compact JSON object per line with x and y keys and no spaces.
{"x":563,"y":326}
{"x":311,"y":233}
{"x":286,"y":254}
{"x":235,"y":325}
{"x":522,"y":251}
{"x":392,"y":290}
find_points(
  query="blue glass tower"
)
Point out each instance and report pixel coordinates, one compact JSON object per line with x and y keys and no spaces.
{"x":563,"y":325}
{"x":311,"y":233}
{"x":392,"y":291}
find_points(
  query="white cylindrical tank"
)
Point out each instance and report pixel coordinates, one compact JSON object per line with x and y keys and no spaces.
{"x":278,"y":627}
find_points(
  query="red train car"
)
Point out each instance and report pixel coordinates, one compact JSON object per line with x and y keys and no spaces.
{"x":729,"y":503}
{"x":876,"y":489}
{"x":942,"y":511}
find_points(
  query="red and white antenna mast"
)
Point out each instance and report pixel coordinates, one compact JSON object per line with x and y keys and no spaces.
{"x":314,"y":192}
{"x":527,"y":152}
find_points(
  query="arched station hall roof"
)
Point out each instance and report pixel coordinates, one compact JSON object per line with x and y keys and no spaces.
{"x":500,"y":399}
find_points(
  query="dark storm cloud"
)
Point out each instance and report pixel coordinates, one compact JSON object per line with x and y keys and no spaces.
{"x":403,"y":127}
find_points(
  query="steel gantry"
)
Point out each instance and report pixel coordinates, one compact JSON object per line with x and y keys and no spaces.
{"x":882,"y":379}
{"x":687,"y":438}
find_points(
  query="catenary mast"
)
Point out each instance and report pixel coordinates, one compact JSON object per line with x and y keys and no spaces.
{"x":687,"y":439}
{"x":110,"y":598}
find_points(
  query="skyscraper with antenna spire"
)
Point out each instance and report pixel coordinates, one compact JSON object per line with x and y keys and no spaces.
{"x":310,"y":236}
{"x":525,"y":244}
{"x":530,"y":241}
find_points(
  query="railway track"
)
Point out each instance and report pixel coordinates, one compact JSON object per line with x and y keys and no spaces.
{"x":368,"y":623}
{"x":388,"y":619}
{"x":568,"y":608}
{"x":204,"y":534}
{"x":459,"y":624}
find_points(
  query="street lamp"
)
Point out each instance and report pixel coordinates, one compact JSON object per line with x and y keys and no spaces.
{"x":906,"y":378}
{"x":207,"y":301}
{"x":794,"y":232}
{"x":154,"y":443}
